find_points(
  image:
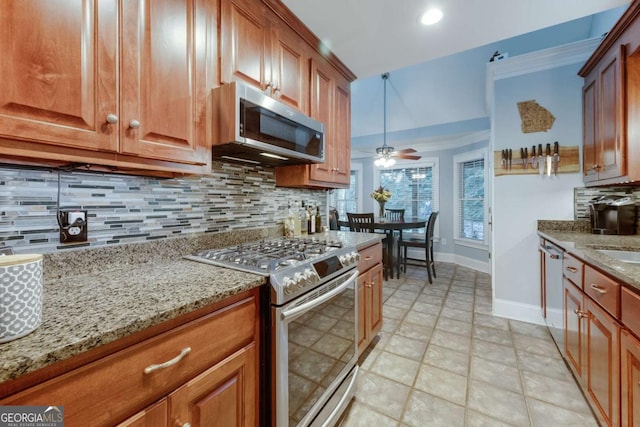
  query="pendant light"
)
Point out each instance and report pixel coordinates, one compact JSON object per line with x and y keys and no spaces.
{"x":384,"y":153}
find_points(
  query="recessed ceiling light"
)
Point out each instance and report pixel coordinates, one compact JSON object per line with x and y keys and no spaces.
{"x":431,"y":16}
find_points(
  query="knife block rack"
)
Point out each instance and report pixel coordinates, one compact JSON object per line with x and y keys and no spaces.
{"x":569,"y":162}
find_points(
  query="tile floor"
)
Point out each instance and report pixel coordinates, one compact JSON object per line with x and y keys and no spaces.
{"x":442,"y":359}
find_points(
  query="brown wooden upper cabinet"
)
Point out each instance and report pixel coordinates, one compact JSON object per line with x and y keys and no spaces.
{"x":611,"y":105}
{"x":259,"y":49}
{"x":107,"y":83}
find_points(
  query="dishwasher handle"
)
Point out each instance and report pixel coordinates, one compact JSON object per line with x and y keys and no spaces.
{"x":551,"y":251}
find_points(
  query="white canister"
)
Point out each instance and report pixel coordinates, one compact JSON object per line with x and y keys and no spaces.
{"x":20,"y":295}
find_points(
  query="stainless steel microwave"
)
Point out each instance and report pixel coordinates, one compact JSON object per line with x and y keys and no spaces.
{"x":249,"y":126}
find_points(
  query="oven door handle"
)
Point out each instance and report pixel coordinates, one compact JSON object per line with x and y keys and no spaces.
{"x":320,"y":300}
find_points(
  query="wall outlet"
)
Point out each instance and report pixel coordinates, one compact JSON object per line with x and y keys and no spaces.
{"x":73,"y":226}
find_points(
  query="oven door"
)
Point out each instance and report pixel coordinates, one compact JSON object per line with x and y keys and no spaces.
{"x":315,"y":349}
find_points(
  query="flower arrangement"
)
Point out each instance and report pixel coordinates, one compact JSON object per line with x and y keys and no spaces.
{"x":381,"y":194}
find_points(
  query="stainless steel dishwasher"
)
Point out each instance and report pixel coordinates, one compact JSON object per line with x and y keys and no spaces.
{"x":551,"y":290}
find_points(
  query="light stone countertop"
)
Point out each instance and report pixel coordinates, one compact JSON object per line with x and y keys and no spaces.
{"x":583,"y":245}
{"x":117,"y":298}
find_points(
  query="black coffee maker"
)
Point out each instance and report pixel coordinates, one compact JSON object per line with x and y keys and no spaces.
{"x":613,"y":215}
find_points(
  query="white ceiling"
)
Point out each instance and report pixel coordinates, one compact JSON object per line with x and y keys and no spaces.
{"x":375,"y":36}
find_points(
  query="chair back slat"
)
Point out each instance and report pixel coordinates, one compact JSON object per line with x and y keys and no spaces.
{"x":361,"y":222}
{"x":395,"y":214}
{"x":333,"y":219}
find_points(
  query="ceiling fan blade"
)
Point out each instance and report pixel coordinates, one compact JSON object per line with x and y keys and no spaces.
{"x":406,"y":150}
{"x":408,"y":156}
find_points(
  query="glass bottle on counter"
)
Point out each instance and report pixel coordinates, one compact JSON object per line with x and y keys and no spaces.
{"x":304,"y":220}
{"x":312,"y":220}
{"x":318,"y":220}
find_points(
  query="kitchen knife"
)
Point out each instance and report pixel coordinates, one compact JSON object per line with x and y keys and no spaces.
{"x":523,"y":159}
{"x":534,"y":157}
{"x":504,"y":159}
{"x":548,"y":158}
{"x":540,"y":160}
{"x":556,"y":157}
{"x":510,"y":157}
{"x":525,"y":162}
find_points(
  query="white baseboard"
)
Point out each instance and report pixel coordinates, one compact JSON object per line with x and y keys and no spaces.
{"x":474,"y":264}
{"x":517,"y":311}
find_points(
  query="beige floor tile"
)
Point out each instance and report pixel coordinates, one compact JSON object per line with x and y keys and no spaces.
{"x":530,"y":344}
{"x":548,"y":366}
{"x":444,"y":384}
{"x":397,"y":302}
{"x":459,"y":295}
{"x":423,"y":307}
{"x":491,"y":321}
{"x":424,"y":319}
{"x":430,"y":299}
{"x":362,"y":416}
{"x":559,"y":392}
{"x":476,"y":419}
{"x":454,"y":326}
{"x":415,"y":331}
{"x":406,"y":295}
{"x":393,"y":312}
{"x":406,"y":347}
{"x":390,"y":325}
{"x":537,"y":331}
{"x":496,"y":374}
{"x":445,"y":358}
{"x":426,"y":410}
{"x":545,"y":415}
{"x":494,"y":352}
{"x":461,"y":315}
{"x":458,"y":305}
{"x":451,"y":341}
{"x":498,"y":403}
{"x":382,"y":394}
{"x":493,"y":335}
{"x":396,"y":368}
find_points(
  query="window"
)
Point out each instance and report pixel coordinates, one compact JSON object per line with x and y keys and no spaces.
{"x":348,"y":199}
{"x":469,"y":187}
{"x":414,"y":187}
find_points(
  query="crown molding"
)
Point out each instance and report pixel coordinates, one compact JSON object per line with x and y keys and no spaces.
{"x":545,"y":59}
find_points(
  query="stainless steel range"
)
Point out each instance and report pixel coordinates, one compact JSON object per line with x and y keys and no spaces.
{"x":312,"y":316}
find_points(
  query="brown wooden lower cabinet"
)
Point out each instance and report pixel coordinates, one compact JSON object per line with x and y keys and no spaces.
{"x":573,"y":332}
{"x":630,"y":379}
{"x":212,"y":379}
{"x":369,"y":295}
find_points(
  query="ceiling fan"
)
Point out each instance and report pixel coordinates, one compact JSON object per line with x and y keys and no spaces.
{"x":387,"y":153}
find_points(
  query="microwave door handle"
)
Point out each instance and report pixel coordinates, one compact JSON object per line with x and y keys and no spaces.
{"x":295,"y":311}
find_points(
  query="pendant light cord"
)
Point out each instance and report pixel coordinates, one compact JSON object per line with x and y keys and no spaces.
{"x":385,"y":76}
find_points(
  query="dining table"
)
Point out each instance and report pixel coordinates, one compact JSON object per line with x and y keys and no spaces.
{"x":388,"y":226}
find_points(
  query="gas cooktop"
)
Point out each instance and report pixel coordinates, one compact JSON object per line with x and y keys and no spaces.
{"x":267,"y":256}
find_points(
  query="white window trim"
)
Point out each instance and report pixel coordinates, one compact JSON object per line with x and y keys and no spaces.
{"x":458,"y":159}
{"x":432,"y":162}
{"x":357,"y":167}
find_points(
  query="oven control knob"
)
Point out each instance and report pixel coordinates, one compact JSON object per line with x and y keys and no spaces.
{"x":344,"y":260}
{"x":289,"y":285}
{"x":310,"y":276}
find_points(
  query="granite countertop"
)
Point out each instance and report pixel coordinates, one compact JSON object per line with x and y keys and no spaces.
{"x":117,"y":298}
{"x":583,"y":245}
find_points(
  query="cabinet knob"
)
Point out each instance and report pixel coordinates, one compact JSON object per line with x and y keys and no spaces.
{"x":369,"y":285}
{"x":134,"y":124}
{"x":186,"y":425}
{"x":580,"y":314}
{"x":112,"y":119}
{"x":595,"y":167}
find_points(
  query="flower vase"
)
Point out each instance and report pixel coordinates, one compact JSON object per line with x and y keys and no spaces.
{"x":381,"y":213}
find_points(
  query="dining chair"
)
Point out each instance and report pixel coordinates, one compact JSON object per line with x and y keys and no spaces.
{"x":365,"y":223}
{"x":427,"y":243}
{"x":333,"y":219}
{"x":395,"y":215}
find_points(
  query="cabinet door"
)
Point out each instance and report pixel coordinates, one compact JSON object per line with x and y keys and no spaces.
{"x":630,"y":379}
{"x":244,"y":33}
{"x":603,"y":358}
{"x":321,"y":108}
{"x":225,"y":395}
{"x":363,"y":337}
{"x":573,"y":332}
{"x":589,"y":130}
{"x":375,"y":300}
{"x":163,"y":87}
{"x":342,"y":133}
{"x":289,"y":68}
{"x":611,"y":124}
{"x":153,"y":416}
{"x":58,"y":74}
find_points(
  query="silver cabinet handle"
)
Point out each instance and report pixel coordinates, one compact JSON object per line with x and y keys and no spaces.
{"x":134,"y":124}
{"x":168,"y":363}
{"x":572,"y":269}
{"x":112,"y":119}
{"x":580,"y":314}
{"x":598,"y":289}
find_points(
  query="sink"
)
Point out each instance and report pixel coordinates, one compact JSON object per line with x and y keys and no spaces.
{"x":631,"y":257}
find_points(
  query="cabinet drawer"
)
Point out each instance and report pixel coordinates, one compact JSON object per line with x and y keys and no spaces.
{"x":603,"y":290}
{"x":110,"y":389}
{"x":369,"y":257}
{"x":630,"y":310}
{"x":572,"y":269}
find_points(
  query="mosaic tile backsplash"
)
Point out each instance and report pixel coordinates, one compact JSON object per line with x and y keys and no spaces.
{"x":124,"y":209}
{"x":582,"y":196}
